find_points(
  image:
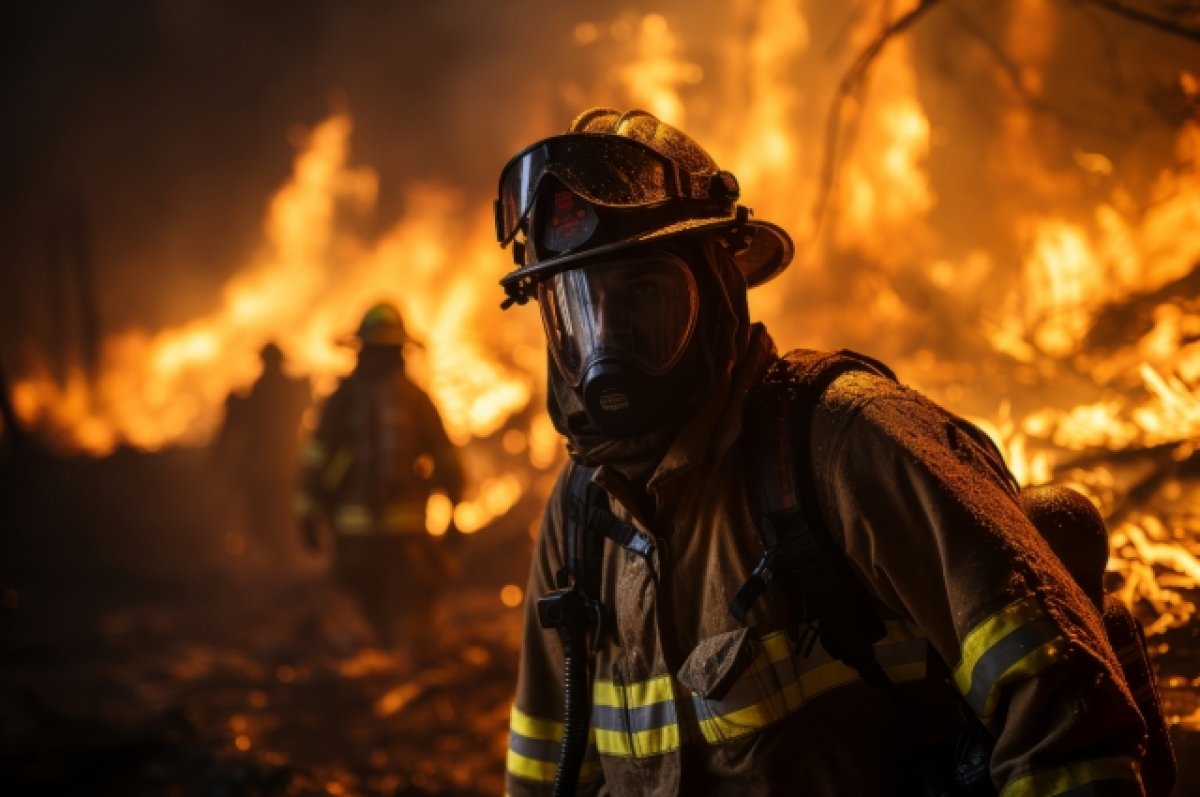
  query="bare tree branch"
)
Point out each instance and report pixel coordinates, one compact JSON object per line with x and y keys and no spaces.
{"x":851,"y":86}
{"x":1011,"y":71}
{"x":1150,"y":20}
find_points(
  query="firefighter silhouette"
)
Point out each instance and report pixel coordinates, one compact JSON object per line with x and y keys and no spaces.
{"x":379,"y":452}
{"x":257,"y":449}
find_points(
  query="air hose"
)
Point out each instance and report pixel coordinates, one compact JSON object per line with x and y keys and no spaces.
{"x":565,"y":610}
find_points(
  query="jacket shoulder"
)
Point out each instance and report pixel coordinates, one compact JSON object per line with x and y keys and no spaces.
{"x":829,"y":380}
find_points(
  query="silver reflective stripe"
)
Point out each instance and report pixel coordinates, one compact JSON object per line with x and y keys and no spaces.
{"x":534,"y":746}
{"x":636,"y":719}
{"x":1014,"y":643}
{"x":1003,"y":661}
{"x":537,"y":749}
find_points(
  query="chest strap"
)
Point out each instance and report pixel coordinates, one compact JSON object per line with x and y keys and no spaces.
{"x":801,"y":560}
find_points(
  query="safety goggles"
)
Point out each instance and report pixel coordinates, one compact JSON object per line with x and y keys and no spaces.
{"x":604,"y":169}
{"x":641,"y":311}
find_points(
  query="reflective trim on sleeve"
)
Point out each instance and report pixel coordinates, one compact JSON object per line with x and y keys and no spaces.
{"x":397,"y":519}
{"x":1015,"y":643}
{"x":335,"y":471}
{"x":404,"y":519}
{"x":1103,"y":777}
{"x":635,"y":719}
{"x":314,"y":454}
{"x":534,"y":746}
{"x":777,"y":683}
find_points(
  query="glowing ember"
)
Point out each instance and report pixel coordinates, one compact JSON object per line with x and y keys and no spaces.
{"x":512,"y":595}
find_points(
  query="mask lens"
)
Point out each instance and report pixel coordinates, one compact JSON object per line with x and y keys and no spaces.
{"x":606,"y":170}
{"x":640,"y":311}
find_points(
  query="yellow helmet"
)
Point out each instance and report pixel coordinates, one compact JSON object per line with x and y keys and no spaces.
{"x":382,"y":325}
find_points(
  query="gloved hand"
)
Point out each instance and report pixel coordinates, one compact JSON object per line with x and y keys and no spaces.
{"x":310,"y":533}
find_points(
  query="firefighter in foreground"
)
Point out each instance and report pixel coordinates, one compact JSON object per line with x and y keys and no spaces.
{"x":379,"y":452}
{"x":766,"y":575}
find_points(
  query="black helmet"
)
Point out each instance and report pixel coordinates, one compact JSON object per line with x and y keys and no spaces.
{"x":615,"y":181}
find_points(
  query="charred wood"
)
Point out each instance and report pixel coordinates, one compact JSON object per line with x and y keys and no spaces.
{"x":1132,"y":317}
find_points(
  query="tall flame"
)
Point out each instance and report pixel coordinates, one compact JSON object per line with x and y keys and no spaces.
{"x":880,"y":271}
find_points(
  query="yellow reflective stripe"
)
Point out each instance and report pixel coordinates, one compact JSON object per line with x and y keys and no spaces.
{"x":530,"y":768}
{"x":776,"y":706}
{"x":533,"y":727}
{"x":544,"y":771}
{"x":335,"y":471}
{"x":639,"y":744}
{"x":314,"y":454}
{"x":546,"y":732}
{"x":1016,"y":643}
{"x":400,"y":519}
{"x":776,"y":647}
{"x":798,"y":682}
{"x":635,"y":695}
{"x":1063,"y":779}
{"x":352,"y":519}
{"x":406,"y":517}
{"x":643,"y":702}
{"x":984,"y":636}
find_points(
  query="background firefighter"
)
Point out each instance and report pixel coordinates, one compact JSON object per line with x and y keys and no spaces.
{"x":257,"y":450}
{"x":378,"y":453}
{"x":632,"y":241}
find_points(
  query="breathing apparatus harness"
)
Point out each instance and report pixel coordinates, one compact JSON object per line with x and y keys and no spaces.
{"x":801,"y":561}
{"x":574,"y":609}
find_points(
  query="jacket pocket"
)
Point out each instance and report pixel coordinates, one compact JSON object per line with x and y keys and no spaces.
{"x":739,"y":683}
{"x":714,"y":664}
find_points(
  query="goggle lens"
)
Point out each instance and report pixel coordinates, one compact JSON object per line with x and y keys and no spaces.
{"x":642,"y":311}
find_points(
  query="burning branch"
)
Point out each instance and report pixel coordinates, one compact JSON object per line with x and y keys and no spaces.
{"x":1149,"y":20}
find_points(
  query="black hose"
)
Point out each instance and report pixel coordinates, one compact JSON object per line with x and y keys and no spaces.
{"x":566,"y":612}
{"x":576,"y":711}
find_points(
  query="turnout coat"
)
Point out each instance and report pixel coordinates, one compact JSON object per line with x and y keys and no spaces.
{"x":686,"y":700}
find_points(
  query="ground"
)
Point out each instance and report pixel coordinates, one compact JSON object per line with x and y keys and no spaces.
{"x":147,"y":649}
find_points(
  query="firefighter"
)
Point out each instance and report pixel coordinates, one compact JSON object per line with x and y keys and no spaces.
{"x":378,"y":453}
{"x":257,"y":450}
{"x":984,"y":660}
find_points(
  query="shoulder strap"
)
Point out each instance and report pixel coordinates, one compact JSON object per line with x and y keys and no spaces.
{"x":802,"y":561}
{"x":589,"y":521}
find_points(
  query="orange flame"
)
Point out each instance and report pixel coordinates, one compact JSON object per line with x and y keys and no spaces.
{"x":761,"y":116}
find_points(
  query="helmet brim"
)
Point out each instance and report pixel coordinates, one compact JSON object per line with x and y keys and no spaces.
{"x":769,"y":252}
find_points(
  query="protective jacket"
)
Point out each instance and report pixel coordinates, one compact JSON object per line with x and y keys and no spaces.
{"x":686,"y":700}
{"x":378,"y":453}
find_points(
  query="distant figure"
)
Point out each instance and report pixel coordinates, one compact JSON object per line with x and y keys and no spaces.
{"x":257,"y":450}
{"x":378,"y":453}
